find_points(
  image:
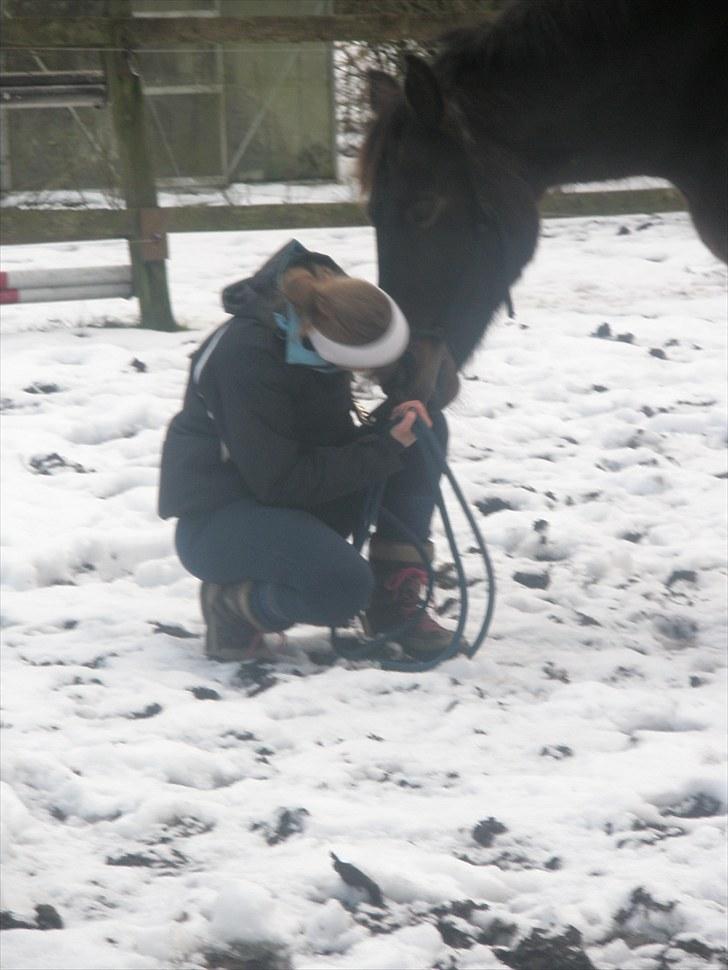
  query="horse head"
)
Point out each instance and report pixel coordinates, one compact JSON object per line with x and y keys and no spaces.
{"x":455,"y":221}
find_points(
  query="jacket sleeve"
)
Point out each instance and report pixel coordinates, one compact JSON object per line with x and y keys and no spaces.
{"x":253,"y":410}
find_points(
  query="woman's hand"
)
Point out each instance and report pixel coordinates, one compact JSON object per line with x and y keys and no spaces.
{"x":409,"y":411}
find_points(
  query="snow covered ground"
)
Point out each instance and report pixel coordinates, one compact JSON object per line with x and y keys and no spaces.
{"x":558,"y":802}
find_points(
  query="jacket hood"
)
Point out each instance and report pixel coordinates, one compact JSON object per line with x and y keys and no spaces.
{"x":243,"y":298}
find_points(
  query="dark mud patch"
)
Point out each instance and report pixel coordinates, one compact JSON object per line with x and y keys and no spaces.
{"x":490,"y":506}
{"x":287,"y":822}
{"x":540,"y":951}
{"x":248,"y":956}
{"x":204,"y":693}
{"x":556,"y":751}
{"x":487,"y":830}
{"x":38,"y":387}
{"x":151,"y":710}
{"x":357,"y":879}
{"x":697,"y":805}
{"x":533,"y":580}
{"x":172,"y":630}
{"x":47,"y":917}
{"x":154,"y":859}
{"x":255,"y":677}
{"x":53,"y":463}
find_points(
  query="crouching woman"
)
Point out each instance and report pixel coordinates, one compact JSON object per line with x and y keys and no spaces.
{"x":267,"y":472}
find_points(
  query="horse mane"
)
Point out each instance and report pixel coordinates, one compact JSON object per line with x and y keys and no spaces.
{"x":376,"y":139}
{"x":527,"y":36}
{"x":529,"y":43}
{"x":559,"y":35}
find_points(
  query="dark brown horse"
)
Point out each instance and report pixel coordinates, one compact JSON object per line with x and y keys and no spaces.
{"x":554,"y":91}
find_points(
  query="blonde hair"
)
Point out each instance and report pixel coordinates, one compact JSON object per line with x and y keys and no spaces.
{"x":347,"y":310}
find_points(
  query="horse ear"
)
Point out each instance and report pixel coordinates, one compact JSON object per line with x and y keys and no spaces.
{"x":383,"y":90}
{"x":422,"y":92}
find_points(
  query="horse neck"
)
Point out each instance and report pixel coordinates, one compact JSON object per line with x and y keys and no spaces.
{"x":550,"y":145}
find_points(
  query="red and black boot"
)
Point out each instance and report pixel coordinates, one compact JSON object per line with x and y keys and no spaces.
{"x":400,"y":582}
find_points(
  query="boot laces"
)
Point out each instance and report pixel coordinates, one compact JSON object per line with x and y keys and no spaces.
{"x":405,"y":586}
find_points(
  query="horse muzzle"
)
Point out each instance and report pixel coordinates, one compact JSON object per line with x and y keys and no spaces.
{"x":426,"y":372}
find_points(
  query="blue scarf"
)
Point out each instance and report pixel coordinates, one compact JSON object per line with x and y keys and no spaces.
{"x":290,"y":324}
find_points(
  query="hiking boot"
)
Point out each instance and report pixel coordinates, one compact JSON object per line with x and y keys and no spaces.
{"x":399,"y":584}
{"x":231,"y":632}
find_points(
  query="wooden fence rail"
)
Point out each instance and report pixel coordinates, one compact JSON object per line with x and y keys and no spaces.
{"x":99,"y":33}
{"x":73,"y":225}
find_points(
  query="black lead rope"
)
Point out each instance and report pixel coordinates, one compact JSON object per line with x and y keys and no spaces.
{"x":436,"y":464}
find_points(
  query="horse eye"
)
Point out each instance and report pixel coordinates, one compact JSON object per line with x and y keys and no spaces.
{"x":425,"y":212}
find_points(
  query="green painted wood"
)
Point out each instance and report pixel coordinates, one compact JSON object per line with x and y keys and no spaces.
{"x":21,"y":226}
{"x":275,"y":124}
{"x":46,"y":33}
{"x":279,"y":101}
{"x":617,"y":202}
{"x":308,"y":215}
{"x":100,"y":33}
{"x":24,"y":226}
{"x":137,"y":173}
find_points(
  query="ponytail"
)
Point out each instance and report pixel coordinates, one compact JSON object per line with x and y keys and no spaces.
{"x":299,"y":287}
{"x":349,"y":311}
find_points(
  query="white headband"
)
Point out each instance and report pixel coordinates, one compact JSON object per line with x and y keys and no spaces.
{"x":377,"y":353}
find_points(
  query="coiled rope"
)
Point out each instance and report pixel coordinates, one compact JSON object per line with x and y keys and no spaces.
{"x":361,"y":649}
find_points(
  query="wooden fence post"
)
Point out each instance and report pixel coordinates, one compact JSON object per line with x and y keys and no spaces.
{"x":148,"y":244}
